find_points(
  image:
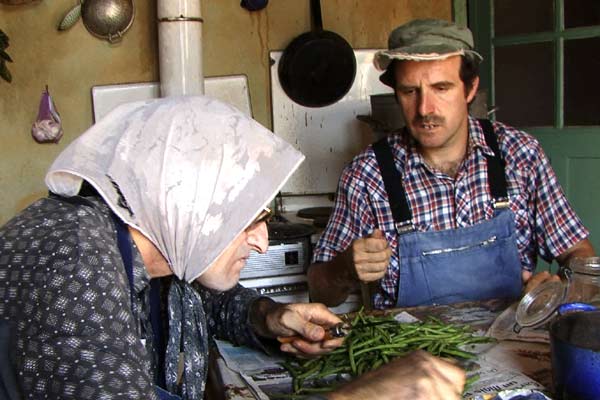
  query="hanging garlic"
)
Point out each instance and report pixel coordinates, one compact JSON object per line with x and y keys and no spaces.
{"x":47,"y":127}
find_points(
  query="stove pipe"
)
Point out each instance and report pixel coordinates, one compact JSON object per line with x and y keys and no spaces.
{"x":180,"y":47}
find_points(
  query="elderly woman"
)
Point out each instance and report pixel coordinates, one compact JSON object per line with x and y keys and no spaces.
{"x":174,"y":186}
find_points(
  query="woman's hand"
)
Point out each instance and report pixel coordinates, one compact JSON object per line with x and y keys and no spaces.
{"x":306,"y":322}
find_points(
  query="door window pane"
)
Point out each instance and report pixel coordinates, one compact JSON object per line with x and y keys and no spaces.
{"x":525,"y":84}
{"x":582,"y":13}
{"x":582,"y":84}
{"x":523,"y":16}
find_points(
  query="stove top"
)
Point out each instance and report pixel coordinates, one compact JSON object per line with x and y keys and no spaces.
{"x":318,"y":215}
{"x":288,"y":230}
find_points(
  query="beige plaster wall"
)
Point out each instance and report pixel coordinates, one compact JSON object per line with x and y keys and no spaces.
{"x":235,"y":42}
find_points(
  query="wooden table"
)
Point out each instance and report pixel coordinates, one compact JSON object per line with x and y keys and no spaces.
{"x":530,"y":359}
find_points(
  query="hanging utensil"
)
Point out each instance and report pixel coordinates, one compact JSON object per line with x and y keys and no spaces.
{"x":318,"y":67}
{"x":107,"y":19}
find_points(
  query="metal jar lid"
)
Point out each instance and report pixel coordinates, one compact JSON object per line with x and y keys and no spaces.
{"x":538,"y":306}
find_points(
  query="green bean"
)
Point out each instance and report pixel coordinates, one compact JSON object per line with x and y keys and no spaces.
{"x":459,"y":353}
{"x":376,"y":340}
{"x":315,"y":390}
{"x":470,"y":380}
{"x":351,"y":357}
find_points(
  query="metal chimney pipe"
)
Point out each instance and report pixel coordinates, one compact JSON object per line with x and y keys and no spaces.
{"x":180,"y":47}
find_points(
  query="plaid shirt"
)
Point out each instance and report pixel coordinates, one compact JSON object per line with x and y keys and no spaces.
{"x":544,"y":220}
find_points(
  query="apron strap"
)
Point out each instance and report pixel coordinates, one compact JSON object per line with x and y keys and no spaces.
{"x":124,"y":243}
{"x":392,"y":180}
{"x":157,"y":329}
{"x":125,"y":248}
{"x":496,"y":165}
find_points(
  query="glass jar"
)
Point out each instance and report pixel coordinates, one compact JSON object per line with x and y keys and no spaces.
{"x":580,"y":283}
{"x":583,"y":274}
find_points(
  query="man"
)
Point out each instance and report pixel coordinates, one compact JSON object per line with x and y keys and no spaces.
{"x":172,"y":187}
{"x":449,"y":209}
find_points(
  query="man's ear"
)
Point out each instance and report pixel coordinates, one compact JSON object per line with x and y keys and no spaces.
{"x":473,"y":91}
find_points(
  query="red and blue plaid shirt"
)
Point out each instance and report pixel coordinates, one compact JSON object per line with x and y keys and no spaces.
{"x":545,"y":222}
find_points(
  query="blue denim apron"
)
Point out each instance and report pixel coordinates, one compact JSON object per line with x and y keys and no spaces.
{"x":473,"y":263}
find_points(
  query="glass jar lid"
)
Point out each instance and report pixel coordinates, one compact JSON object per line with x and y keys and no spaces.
{"x":539,"y":305}
{"x":585,"y":265}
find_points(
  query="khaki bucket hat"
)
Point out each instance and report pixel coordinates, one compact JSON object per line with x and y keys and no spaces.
{"x":425,"y":40}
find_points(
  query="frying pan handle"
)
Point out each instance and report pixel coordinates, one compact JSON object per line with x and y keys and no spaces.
{"x":317,"y":19}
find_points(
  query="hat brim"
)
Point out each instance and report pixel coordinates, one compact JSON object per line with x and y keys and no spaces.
{"x":384,"y":58}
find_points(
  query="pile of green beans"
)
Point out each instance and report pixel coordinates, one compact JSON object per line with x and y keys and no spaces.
{"x":376,"y":340}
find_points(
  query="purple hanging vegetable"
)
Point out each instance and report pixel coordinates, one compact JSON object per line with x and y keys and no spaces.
{"x":47,"y":127}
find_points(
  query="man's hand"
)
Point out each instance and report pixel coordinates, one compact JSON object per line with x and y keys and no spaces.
{"x":365,"y":260}
{"x":531,"y":282}
{"x":369,"y":256}
{"x":582,"y":248}
{"x":416,"y":376}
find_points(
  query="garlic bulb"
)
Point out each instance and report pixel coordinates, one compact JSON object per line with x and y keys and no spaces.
{"x":47,"y":128}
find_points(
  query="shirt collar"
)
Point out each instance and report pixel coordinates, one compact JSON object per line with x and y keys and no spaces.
{"x":477,"y":138}
{"x":413,"y":157}
{"x":476,"y":141}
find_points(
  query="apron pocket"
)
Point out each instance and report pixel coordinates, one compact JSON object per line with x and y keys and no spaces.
{"x":482,"y":270}
{"x":483,"y":243}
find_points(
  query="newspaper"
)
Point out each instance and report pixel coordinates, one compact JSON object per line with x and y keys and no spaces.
{"x":494,"y":379}
{"x":255,"y":368}
{"x":405,"y":318}
{"x":529,"y":358}
{"x":501,"y":368}
{"x":247,"y":361}
{"x":514,"y":394}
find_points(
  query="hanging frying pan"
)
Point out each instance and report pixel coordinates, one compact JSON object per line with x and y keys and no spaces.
{"x":318,"y":67}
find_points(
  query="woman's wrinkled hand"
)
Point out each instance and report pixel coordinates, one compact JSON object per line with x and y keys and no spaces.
{"x":307,"y":324}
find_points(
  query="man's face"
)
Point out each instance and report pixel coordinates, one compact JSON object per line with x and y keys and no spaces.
{"x":434,"y":102}
{"x":224,"y":273}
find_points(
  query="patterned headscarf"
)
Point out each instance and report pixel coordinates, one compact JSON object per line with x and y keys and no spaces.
{"x":188,"y":172}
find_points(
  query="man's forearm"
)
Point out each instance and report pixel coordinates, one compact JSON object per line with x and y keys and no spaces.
{"x":330,"y":283}
{"x":582,"y":249}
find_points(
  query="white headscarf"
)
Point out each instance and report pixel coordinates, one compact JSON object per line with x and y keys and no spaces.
{"x":189,"y":172}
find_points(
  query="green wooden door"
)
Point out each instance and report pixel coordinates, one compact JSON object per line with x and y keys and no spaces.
{"x":542,"y":73}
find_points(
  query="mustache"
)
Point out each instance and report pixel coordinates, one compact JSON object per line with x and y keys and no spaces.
{"x":429,"y":119}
